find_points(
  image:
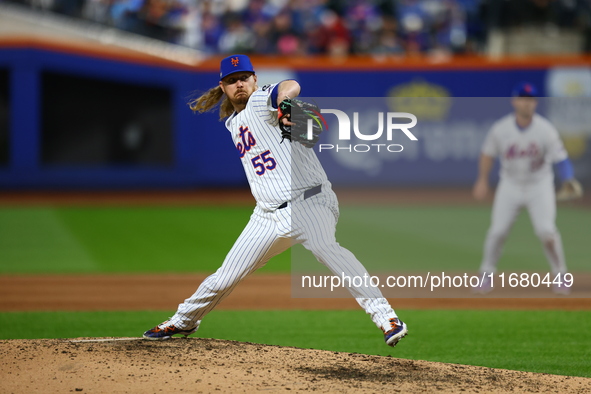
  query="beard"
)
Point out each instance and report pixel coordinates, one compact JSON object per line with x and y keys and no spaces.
{"x":241,"y":99}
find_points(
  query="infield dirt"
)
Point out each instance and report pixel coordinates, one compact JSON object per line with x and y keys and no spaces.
{"x":195,"y":365}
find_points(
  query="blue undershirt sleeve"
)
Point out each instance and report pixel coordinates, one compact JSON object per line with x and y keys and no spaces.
{"x":565,"y":169}
{"x":274,"y":94}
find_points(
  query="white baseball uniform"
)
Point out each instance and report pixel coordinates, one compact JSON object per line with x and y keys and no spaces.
{"x":294,"y":204}
{"x":526,"y":180}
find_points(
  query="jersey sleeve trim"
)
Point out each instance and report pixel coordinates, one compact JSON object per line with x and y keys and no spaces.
{"x":275,"y":93}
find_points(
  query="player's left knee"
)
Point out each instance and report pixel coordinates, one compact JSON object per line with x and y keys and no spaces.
{"x":549,"y":243}
{"x":547,"y":237}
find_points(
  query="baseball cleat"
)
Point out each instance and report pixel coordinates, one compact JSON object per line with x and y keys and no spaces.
{"x":484,"y":287}
{"x":560,"y":288}
{"x":166,"y":330}
{"x":396,"y":333}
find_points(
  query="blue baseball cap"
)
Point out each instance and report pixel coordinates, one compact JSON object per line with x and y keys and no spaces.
{"x":233,"y":64}
{"x":525,"y":89}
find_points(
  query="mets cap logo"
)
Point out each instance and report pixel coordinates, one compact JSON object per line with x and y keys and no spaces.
{"x":233,"y":64}
{"x":527,"y":88}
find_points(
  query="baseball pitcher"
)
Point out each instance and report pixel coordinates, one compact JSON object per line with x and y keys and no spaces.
{"x":294,"y":199}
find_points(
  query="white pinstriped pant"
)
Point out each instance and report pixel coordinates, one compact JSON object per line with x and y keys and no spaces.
{"x":311,"y":222}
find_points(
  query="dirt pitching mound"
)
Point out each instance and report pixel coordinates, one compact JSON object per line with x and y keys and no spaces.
{"x":133,"y":365}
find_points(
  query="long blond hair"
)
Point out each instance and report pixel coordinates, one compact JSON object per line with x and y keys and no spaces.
{"x":210,"y":99}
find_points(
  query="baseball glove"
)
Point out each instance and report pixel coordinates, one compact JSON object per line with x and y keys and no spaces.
{"x":299,"y":112}
{"x":569,"y":190}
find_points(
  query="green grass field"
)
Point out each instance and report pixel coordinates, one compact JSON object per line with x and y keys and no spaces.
{"x":196,"y":239}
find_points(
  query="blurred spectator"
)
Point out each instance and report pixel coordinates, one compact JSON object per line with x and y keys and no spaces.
{"x":334,"y":27}
{"x":414,"y":27}
{"x":363,"y":19}
{"x":126,"y":15}
{"x":237,"y":37}
{"x":97,"y":10}
{"x":283,"y":37}
{"x":332,"y":36}
{"x":388,"y":40}
{"x":211,"y":28}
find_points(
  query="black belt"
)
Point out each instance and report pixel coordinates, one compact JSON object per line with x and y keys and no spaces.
{"x":307,"y":194}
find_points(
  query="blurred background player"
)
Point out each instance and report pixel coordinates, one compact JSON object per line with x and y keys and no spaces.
{"x":527,"y":146}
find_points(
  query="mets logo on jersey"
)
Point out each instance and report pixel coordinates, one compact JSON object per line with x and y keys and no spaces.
{"x":531,"y":152}
{"x":246,"y":142}
{"x":515,"y":152}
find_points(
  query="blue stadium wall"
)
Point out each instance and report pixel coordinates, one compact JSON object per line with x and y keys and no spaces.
{"x":71,"y":119}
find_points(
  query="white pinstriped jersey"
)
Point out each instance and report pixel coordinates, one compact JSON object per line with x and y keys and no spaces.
{"x":276,"y":171}
{"x":526,"y":155}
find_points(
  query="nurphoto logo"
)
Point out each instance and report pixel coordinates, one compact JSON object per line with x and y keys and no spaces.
{"x":392,"y":124}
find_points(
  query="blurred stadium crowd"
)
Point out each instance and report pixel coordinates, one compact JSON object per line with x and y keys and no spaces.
{"x":332,"y":27}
